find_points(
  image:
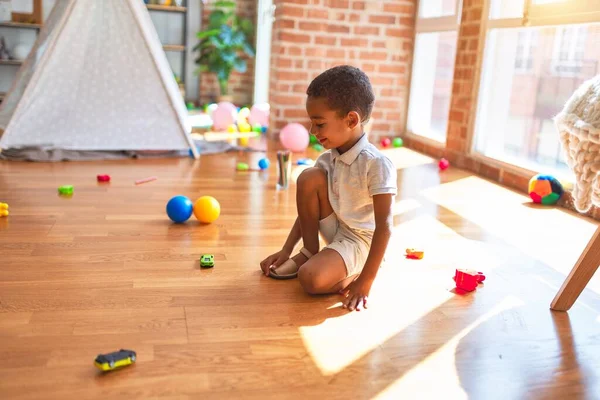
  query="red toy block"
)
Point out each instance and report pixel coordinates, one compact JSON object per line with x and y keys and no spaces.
{"x":468,"y":279}
{"x":103,"y":178}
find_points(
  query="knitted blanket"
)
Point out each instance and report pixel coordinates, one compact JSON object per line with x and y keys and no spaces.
{"x":579,"y":127}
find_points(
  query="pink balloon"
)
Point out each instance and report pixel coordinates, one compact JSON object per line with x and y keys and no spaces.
{"x":294,"y":137}
{"x":224,"y":116}
{"x":259,"y":114}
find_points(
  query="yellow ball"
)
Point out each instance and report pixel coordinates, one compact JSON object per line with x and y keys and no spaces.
{"x":232,"y":129}
{"x":245,"y":128}
{"x":207,"y":209}
{"x":244,"y":141}
{"x":244,"y":112}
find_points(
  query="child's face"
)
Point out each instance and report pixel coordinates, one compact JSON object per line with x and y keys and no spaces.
{"x":331,"y":130}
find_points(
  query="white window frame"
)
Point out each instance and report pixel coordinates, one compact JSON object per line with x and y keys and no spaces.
{"x":567,"y":12}
{"x":446,"y":23}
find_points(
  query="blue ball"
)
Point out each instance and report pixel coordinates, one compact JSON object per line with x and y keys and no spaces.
{"x":264,"y":163}
{"x":180,"y":209}
{"x":264,"y":129}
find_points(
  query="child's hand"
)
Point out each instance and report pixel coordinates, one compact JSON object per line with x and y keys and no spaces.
{"x":356,"y":294}
{"x":274,"y":260}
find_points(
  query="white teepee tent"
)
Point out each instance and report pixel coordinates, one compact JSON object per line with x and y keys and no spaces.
{"x":97,"y":78}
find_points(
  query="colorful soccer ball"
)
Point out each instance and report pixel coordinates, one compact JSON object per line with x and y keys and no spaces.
{"x":545,"y":189}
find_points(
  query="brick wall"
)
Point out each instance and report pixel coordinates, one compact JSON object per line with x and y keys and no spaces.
{"x":241,"y":86}
{"x":310,"y":36}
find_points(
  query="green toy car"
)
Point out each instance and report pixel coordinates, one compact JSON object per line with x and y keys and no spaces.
{"x":65,"y":190}
{"x":207,"y":261}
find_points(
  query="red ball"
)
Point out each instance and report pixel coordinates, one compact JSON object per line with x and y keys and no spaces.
{"x":385,"y":142}
{"x":443,"y":164}
{"x":103,"y":178}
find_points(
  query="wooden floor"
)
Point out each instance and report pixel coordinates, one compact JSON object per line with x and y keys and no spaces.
{"x":105,"y":269}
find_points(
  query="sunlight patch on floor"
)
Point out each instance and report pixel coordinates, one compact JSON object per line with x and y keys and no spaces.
{"x":339,"y":342}
{"x":442,"y":365}
{"x":405,"y":205}
{"x":405,"y":158}
{"x":549,"y":235}
{"x":444,"y":248}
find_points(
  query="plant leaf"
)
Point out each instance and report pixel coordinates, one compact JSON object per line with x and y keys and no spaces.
{"x":241,"y":65}
{"x":246,"y":26}
{"x":214,"y":40}
{"x":225,"y":4}
{"x":208,"y":33}
{"x":229,"y":57}
{"x":248,"y":49}
{"x":217,"y":18}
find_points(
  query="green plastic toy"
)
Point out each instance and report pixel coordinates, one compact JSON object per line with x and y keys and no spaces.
{"x":397,"y":142}
{"x":241,"y":166}
{"x":207,"y":261}
{"x":65,"y":189}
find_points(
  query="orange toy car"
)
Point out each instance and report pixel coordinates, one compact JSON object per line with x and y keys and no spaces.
{"x":414,"y":254}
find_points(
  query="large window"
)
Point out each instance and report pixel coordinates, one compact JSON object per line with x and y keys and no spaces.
{"x":531,"y":66}
{"x":433,"y":68}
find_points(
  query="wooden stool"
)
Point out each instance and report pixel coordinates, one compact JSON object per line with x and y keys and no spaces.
{"x":580,"y":275}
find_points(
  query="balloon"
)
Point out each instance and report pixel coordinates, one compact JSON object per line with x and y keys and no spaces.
{"x":294,"y":137}
{"x":210,"y":109}
{"x":224,"y":115}
{"x":259,"y":114}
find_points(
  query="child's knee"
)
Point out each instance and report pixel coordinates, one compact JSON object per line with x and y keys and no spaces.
{"x":312,"y":178}
{"x":312,"y":281}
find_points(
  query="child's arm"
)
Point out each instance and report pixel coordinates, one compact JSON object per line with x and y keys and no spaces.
{"x":293,"y":238}
{"x":282,"y":255}
{"x":358,"y":290}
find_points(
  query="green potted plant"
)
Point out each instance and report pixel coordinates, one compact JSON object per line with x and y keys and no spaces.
{"x":224,"y":44}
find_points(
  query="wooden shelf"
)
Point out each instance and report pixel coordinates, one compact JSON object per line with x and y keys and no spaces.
{"x":20,"y":25}
{"x":173,"y":47}
{"x":11,"y":62}
{"x":157,"y":7}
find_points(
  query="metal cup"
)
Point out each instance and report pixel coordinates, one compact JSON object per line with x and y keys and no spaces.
{"x":284,"y":169}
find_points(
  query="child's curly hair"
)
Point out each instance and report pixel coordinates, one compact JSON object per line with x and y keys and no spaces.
{"x":345,"y":89}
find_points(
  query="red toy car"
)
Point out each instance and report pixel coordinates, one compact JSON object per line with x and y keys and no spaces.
{"x":468,"y":279}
